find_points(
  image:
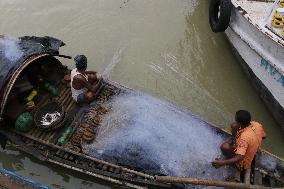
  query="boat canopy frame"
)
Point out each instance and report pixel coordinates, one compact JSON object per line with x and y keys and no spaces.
{"x":32,"y":48}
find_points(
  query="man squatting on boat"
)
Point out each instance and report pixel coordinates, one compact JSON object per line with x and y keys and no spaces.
{"x":84,"y":84}
{"x":246,"y":139}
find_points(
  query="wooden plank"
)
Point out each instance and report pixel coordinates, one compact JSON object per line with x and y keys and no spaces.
{"x":61,"y":153}
{"x":32,"y":130}
{"x":68,"y":102}
{"x":50,"y":137}
{"x":117,"y":171}
{"x":46,"y":135}
{"x":63,"y":96}
{"x":36,"y":133}
{"x":42,"y":134}
{"x":105,"y":167}
{"x":71,"y":158}
{"x":100,"y":165}
{"x":272,"y":182}
{"x":66,"y":156}
{"x":247,"y":176}
{"x":58,"y":152}
{"x":49,"y":134}
{"x":70,"y":105}
{"x":206,"y":182}
{"x":43,"y":100}
{"x":257,"y":178}
{"x":68,"y":99}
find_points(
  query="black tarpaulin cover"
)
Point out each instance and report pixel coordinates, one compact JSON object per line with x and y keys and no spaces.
{"x":14,"y":51}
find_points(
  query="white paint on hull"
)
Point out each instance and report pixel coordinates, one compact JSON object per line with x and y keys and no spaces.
{"x":260,"y":48}
{"x":268,"y":75}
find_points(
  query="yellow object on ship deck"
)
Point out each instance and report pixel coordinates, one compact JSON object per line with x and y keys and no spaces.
{"x":277,"y":24}
{"x":278,"y":18}
{"x":31,"y":95}
{"x":281,"y":4}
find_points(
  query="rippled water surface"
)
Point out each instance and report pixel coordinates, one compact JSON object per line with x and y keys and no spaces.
{"x":164,"y":48}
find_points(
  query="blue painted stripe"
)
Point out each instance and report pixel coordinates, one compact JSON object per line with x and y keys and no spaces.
{"x":30,"y":182}
{"x":272,"y":71}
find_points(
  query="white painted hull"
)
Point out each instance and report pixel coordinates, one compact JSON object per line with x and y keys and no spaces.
{"x":263,"y":59}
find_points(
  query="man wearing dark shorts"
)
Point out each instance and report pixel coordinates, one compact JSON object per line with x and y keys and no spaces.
{"x":84,"y":84}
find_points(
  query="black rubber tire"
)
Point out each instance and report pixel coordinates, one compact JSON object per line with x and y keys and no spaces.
{"x":223,"y":7}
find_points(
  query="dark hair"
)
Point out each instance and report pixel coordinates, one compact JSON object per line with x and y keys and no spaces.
{"x":81,"y":62}
{"x":243,"y":117}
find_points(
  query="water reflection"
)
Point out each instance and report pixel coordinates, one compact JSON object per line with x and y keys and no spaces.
{"x":47,"y":173}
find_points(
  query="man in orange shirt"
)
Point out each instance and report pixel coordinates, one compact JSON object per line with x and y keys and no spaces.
{"x":247,"y":136}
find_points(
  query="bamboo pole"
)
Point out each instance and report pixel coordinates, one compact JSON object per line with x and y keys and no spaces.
{"x":206,"y":182}
{"x":106,"y":178}
{"x":84,"y":156}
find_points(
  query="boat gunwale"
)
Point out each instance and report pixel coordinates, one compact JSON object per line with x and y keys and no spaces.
{"x":141,"y":178}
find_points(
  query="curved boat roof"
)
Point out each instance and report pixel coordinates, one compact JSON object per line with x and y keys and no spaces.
{"x":14,"y":52}
{"x":17,"y":53}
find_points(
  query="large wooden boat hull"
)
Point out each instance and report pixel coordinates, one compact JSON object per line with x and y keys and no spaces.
{"x":37,"y":144}
{"x":44,"y":144}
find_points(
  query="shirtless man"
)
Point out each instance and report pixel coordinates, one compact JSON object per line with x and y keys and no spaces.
{"x":84,"y":84}
{"x":247,"y":136}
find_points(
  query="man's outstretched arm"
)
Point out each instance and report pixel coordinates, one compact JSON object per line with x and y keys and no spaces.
{"x":219,"y":163}
{"x":97,"y":85}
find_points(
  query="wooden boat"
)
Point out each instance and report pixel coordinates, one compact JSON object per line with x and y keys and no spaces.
{"x":11,"y":180}
{"x":255,"y":29}
{"x":39,"y":53}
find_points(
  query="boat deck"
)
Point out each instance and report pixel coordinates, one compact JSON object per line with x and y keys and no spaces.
{"x":64,"y":99}
{"x":260,"y":13}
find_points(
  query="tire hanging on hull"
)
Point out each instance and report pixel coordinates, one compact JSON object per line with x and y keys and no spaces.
{"x":219,"y":15}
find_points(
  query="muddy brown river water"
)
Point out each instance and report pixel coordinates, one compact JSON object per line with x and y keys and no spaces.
{"x":164,"y":48}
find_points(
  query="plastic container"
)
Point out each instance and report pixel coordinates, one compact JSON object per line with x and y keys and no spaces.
{"x":64,"y":136}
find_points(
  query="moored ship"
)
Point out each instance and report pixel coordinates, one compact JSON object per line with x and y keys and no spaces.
{"x":255,"y":29}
